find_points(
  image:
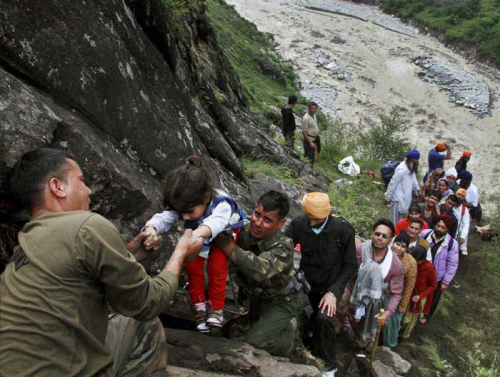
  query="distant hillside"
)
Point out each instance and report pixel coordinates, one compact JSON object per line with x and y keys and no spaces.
{"x":473,"y":24}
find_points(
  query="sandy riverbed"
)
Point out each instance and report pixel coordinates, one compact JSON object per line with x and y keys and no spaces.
{"x":382,"y":74}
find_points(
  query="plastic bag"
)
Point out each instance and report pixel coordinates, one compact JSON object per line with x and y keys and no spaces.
{"x":349,"y":167}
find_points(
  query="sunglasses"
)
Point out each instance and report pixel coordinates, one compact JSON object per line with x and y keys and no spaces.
{"x":384,"y":236}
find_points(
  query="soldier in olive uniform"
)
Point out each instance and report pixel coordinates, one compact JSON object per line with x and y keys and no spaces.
{"x":264,"y":258}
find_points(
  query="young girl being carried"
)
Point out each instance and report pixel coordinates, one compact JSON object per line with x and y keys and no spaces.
{"x":189,"y":195}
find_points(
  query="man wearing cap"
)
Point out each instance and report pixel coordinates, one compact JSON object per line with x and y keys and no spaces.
{"x":461,"y":164}
{"x":463,"y":218}
{"x":443,"y":253}
{"x":403,"y":183}
{"x":328,"y":260}
{"x":472,"y":199}
{"x":436,"y":159}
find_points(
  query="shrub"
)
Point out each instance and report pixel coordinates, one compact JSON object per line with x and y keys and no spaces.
{"x":386,"y":139}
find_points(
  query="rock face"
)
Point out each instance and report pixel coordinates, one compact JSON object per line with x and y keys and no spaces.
{"x":130,"y":89}
{"x":227,"y":357}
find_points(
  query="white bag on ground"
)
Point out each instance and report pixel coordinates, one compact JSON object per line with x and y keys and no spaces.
{"x":349,"y":167}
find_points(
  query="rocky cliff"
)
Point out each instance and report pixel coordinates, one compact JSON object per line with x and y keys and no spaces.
{"x":129,"y":88}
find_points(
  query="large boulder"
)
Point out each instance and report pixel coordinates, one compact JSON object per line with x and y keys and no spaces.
{"x":191,"y":350}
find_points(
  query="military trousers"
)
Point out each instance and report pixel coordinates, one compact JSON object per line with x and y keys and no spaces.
{"x":276,"y":329}
{"x":139,"y":348}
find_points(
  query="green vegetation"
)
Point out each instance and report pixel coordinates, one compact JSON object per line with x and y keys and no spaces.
{"x":266,"y":79}
{"x":472,"y":21}
{"x":254,"y":167}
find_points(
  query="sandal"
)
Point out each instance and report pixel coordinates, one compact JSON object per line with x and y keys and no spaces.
{"x":422,"y":321}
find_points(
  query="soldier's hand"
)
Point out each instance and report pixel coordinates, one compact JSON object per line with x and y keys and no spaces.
{"x":188,"y":245}
{"x":328,"y":303}
{"x":225,"y":242}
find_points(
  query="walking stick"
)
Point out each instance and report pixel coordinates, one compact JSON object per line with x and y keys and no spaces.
{"x":377,"y":338}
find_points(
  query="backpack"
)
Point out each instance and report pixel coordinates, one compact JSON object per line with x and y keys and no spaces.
{"x":388,"y":169}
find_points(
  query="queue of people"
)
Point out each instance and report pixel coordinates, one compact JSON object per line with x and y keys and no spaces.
{"x":75,"y":288}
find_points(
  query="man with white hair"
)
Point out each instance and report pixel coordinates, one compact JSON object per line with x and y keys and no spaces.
{"x":451,"y":176}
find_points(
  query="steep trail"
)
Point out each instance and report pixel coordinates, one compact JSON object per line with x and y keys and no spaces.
{"x":357,"y":63}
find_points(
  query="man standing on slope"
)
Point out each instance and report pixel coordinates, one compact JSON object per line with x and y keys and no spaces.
{"x":310,"y":131}
{"x":71,"y":265}
{"x":289,"y":122}
{"x":403,"y":183}
{"x":443,"y":253}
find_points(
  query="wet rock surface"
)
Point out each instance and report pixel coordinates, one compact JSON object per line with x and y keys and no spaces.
{"x":465,"y":88}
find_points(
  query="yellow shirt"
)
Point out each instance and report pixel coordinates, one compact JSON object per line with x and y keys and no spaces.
{"x":54,"y":295}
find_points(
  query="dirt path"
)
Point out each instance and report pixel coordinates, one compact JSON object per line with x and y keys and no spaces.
{"x":360,"y":63}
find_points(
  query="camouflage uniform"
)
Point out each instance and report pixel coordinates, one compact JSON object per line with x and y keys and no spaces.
{"x":139,"y":348}
{"x":267,"y":264}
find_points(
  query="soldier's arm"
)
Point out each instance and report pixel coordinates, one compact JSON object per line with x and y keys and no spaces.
{"x":101,"y":251}
{"x":266,"y":265}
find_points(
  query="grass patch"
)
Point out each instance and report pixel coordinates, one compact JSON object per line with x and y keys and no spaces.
{"x":254,"y":167}
{"x":266,"y":80}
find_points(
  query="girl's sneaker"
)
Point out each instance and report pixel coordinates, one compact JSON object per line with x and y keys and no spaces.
{"x":201,"y":318}
{"x":215,"y":318}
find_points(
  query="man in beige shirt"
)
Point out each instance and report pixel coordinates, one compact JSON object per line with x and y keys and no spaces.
{"x":71,"y":265}
{"x":310,"y":131}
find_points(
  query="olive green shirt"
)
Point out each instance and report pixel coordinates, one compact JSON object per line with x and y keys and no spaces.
{"x":54,"y":295}
{"x":266,"y":263}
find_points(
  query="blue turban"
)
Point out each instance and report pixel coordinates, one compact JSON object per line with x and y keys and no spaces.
{"x":413,"y":155}
{"x":464,"y":174}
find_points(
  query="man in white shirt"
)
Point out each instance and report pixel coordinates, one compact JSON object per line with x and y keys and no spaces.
{"x":463,"y":217}
{"x":404,"y":181}
{"x":472,"y":199}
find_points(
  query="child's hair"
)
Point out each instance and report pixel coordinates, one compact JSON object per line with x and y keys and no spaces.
{"x":419,"y":253}
{"x":187,"y":186}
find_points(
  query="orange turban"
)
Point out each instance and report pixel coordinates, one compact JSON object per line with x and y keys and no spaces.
{"x":462,"y":191}
{"x":466,"y":154}
{"x":441,"y":146}
{"x":316,"y":205}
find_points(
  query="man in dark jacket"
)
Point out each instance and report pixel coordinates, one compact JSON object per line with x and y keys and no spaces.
{"x":289,"y":122}
{"x":328,"y":261}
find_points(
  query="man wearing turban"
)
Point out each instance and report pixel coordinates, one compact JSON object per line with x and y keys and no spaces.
{"x":461,"y":164}
{"x":443,"y":253}
{"x":436,"y":159}
{"x":403,"y":183}
{"x":472,"y":199}
{"x":328,"y":261}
